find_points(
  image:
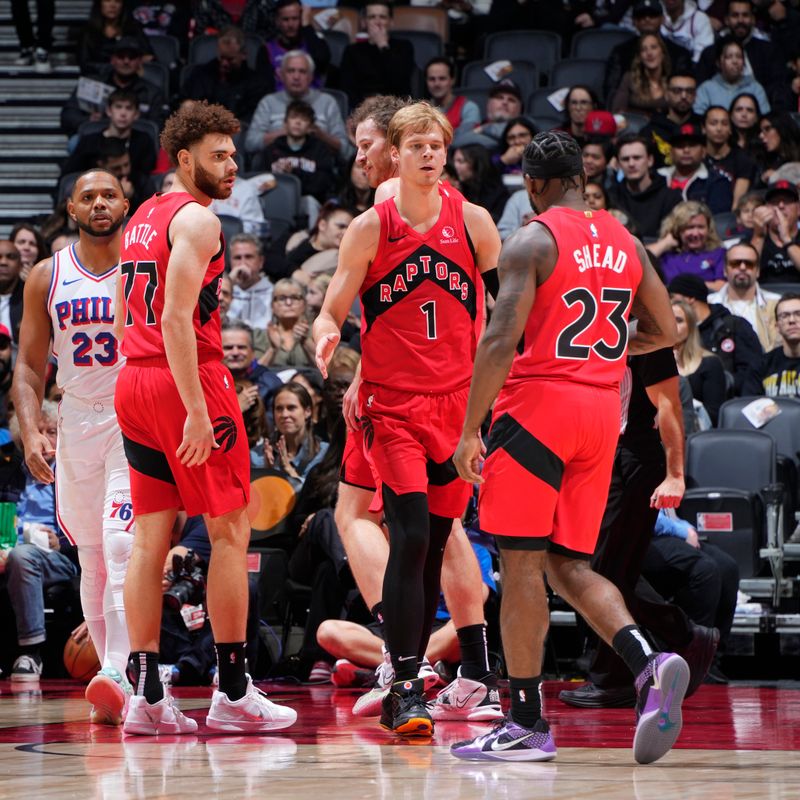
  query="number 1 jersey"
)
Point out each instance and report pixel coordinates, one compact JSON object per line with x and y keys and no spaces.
{"x":422,"y":303}
{"x":577,"y":329}
{"x":146,"y":249}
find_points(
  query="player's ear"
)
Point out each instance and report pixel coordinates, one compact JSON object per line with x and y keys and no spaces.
{"x":184,"y":159}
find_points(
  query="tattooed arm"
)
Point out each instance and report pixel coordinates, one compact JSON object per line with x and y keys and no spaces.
{"x":528,"y":256}
{"x":655,"y":321}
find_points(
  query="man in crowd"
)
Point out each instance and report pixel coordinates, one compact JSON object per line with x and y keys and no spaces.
{"x":775,"y":233}
{"x":291,"y":34}
{"x":11,"y":288}
{"x":238,"y":355}
{"x":504,"y":103}
{"x":680,"y":95}
{"x":252,"y":289}
{"x":687,"y":26}
{"x":463,"y":114}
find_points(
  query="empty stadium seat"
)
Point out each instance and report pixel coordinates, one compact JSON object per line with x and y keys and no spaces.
{"x":524,"y":74}
{"x":598,"y":42}
{"x":584,"y":71}
{"x":546,"y":46}
{"x":427,"y":45}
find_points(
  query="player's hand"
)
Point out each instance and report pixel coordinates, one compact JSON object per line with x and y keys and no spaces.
{"x":469,"y":456}
{"x":324,"y":352}
{"x":38,"y":452}
{"x":198,"y":441}
{"x":80,"y":633}
{"x":668,"y":493}
{"x":350,"y":404}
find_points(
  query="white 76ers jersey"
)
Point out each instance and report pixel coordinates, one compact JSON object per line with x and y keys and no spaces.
{"x":81,"y":306}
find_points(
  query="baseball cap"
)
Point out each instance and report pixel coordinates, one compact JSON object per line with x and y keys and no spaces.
{"x":648,"y":8}
{"x":506,"y":86}
{"x":600,"y":123}
{"x":128,"y":44}
{"x":779,"y":187}
{"x":689,"y":286}
{"x":5,"y":333}
{"x":689,"y":132}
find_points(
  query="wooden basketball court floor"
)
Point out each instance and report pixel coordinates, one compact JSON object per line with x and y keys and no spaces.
{"x":738,"y":742}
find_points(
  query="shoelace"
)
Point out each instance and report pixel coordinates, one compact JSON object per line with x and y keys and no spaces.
{"x":410,"y":701}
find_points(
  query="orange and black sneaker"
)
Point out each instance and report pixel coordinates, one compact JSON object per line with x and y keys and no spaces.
{"x":405,"y":711}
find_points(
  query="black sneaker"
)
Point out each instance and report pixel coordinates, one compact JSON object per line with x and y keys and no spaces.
{"x":25,"y":58}
{"x":26,"y":669}
{"x":405,"y":711}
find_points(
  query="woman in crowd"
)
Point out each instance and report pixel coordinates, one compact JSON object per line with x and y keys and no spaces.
{"x":255,"y":420}
{"x":643,"y":88}
{"x":356,"y":193}
{"x":327,"y":233}
{"x":31,"y":245}
{"x":729,"y":81}
{"x":580,"y":100}
{"x":596,"y":196}
{"x":479,"y":180}
{"x":290,"y":343}
{"x":703,"y":369}
{"x":108,"y":22}
{"x":724,"y":154}
{"x":745,"y":113}
{"x":515,"y":138}
{"x":780,"y":143}
{"x":689,"y":243}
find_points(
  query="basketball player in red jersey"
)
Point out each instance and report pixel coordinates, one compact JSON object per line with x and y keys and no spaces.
{"x":472,"y":696}
{"x":568,"y":281}
{"x":182,"y":429}
{"x":414,"y":259}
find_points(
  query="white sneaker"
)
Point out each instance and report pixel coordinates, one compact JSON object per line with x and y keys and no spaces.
{"x":41,"y":60}
{"x":429,"y":675}
{"x":369,"y":704}
{"x":109,"y":693}
{"x":467,"y":700}
{"x":253,"y":713}
{"x":163,"y":717}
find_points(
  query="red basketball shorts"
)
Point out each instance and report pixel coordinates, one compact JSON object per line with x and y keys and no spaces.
{"x":548,"y":463}
{"x":151,"y":416}
{"x":356,"y":470}
{"x":410,"y":440}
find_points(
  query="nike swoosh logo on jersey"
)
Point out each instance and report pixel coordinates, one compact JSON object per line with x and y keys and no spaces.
{"x":74,"y":280}
{"x":506,"y":745}
{"x":396,"y":238}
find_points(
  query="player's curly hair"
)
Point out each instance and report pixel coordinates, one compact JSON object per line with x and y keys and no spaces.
{"x":553,"y":154}
{"x":380,"y":108}
{"x":191,"y":122}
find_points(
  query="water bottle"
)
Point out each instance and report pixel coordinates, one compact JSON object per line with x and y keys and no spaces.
{"x":8,"y":524}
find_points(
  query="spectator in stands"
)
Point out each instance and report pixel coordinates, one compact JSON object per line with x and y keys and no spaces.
{"x":742,"y":295}
{"x":515,"y":138}
{"x":745,"y":114}
{"x":227,"y":79}
{"x":597,"y":154}
{"x":643,"y":88}
{"x":239,"y":357}
{"x":504,"y":103}
{"x":302,"y":154}
{"x":290,"y":342}
{"x":252,"y":289}
{"x":296,"y":72}
{"x":689,"y":244}
{"x":315,"y":295}
{"x":596,"y":195}
{"x":11,"y":288}
{"x":357,"y":193}
{"x":778,"y":372}
{"x":123,"y":73}
{"x":780,"y":143}
{"x":646,"y":198}
{"x":225,"y":296}
{"x":580,"y":100}
{"x":30,"y":244}
{"x":41,"y":558}
{"x":34,"y":51}
{"x":775,"y":234}
{"x":462,"y":113}
{"x":109,"y":21}
{"x":158,"y":18}
{"x":723,"y":155}
{"x":256,"y":424}
{"x":252,"y":16}
{"x":516,"y":213}
{"x":729,"y":81}
{"x":325,"y":237}
{"x":745,"y":215}
{"x":122,"y":108}
{"x":244,"y":203}
{"x":479,"y":180}
{"x":382,"y":64}
{"x":647,"y":16}
{"x":113,"y":155}
{"x":291,"y":34}
{"x":730,"y":337}
{"x":681,"y":91}
{"x":702,"y":368}
{"x":688,"y":27}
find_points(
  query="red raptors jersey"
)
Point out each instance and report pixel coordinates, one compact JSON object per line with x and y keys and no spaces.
{"x":422,"y":303}
{"x":143,"y":271}
{"x":578,"y":327}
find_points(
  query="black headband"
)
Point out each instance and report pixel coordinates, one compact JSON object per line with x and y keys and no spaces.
{"x":563,"y":166}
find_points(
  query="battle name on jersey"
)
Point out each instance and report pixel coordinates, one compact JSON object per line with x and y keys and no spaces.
{"x":597,"y":256}
{"x":413,"y":273}
{"x":84,"y":311}
{"x":142,"y":234}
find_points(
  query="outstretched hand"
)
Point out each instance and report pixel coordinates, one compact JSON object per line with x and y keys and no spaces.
{"x":324,"y":352}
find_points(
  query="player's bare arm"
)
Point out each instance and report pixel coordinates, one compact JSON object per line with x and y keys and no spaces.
{"x":656,"y":326}
{"x":483,"y":233}
{"x":358,"y":248}
{"x":195,"y":236}
{"x":524,"y":254}
{"x":665,"y":396}
{"x":27,"y":390}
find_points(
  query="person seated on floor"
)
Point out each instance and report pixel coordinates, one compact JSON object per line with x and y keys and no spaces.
{"x":42,"y":557}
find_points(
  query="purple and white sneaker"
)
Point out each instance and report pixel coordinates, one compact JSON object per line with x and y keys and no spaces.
{"x":660,"y":688}
{"x":508,"y":741}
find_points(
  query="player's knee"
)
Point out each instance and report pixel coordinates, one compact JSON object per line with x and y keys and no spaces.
{"x":118,"y":547}
{"x":327,"y":634}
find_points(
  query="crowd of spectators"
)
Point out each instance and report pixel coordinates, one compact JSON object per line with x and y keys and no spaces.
{"x":691,"y":140}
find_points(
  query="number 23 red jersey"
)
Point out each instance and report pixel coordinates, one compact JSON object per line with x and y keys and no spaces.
{"x":422,"y":303}
{"x":143,"y":271}
{"x":578,"y":327}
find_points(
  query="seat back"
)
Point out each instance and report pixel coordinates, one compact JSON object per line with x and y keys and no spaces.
{"x":166,"y":49}
{"x":737,"y":459}
{"x":634,"y":122}
{"x":230,"y":227}
{"x":420,"y":18}
{"x":341,"y":100}
{"x":725,"y":223}
{"x":426,"y":44}
{"x":203,"y":49}
{"x":283,"y":202}
{"x":783,"y":428}
{"x":538,"y":105}
{"x":519,"y":45}
{"x":478,"y":96}
{"x":157,"y":74}
{"x":584,"y":71}
{"x":337,"y":41}
{"x":598,"y":42}
{"x":523,"y":73}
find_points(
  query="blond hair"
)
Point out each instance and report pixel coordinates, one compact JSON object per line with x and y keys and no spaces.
{"x":689,"y":353}
{"x":678,"y":220}
{"x":418,"y":118}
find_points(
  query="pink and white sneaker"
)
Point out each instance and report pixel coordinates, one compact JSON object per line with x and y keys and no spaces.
{"x":253,"y":713}
{"x":152,"y":719}
{"x":468,"y":700}
{"x":108,"y":693}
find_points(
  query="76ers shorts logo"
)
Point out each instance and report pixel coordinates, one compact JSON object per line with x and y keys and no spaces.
{"x":225,"y":433}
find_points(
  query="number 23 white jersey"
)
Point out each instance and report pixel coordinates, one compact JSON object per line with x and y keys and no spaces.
{"x":81,"y":307}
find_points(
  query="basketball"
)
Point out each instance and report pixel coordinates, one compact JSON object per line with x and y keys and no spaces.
{"x":80,"y":659}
